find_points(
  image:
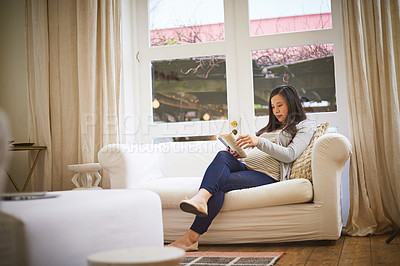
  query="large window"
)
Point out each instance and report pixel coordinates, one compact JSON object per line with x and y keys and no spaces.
{"x":207,"y":63}
{"x":189,"y":89}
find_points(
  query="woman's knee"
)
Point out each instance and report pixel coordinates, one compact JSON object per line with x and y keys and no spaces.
{"x":223,"y":155}
{"x":226,"y":158}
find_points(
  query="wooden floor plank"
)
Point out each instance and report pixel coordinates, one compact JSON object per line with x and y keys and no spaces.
{"x":274,"y":248}
{"x":328,"y":254}
{"x":345,"y":251}
{"x":243,"y":248}
{"x":356,"y":251}
{"x":383,"y":253}
{"x":397,"y":239}
{"x":261,"y":248}
{"x":219,"y":248}
{"x":206,"y":248}
{"x":296,"y":255}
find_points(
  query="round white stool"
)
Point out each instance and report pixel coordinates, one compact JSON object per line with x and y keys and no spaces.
{"x":149,"y":256}
{"x":85,"y":171}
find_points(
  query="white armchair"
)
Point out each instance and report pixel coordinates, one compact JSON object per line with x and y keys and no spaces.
{"x":293,"y":210}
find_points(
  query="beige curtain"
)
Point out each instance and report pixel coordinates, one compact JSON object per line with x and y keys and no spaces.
{"x":74,"y":82}
{"x":372,"y":43}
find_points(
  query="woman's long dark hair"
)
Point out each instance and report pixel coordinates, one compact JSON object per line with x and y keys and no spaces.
{"x":296,"y":112}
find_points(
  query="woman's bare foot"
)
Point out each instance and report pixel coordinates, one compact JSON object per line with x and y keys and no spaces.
{"x":187,"y":242}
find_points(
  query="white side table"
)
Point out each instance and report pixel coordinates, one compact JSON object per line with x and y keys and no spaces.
{"x":85,"y":171}
{"x":148,"y":256}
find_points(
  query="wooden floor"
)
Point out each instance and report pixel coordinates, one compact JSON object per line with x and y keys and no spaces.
{"x":345,"y":251}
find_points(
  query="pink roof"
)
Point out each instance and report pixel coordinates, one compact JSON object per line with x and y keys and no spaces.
{"x":215,"y":32}
{"x":290,"y":24}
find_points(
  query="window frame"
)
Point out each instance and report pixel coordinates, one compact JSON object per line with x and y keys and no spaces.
{"x":237,"y":48}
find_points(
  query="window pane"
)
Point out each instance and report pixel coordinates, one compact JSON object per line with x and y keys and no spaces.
{"x":271,"y":16}
{"x":181,"y":21}
{"x":309,"y":68}
{"x":189,"y":89}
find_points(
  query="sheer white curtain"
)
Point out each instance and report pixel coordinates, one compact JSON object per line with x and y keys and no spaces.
{"x":74,"y":83}
{"x":372,"y":38}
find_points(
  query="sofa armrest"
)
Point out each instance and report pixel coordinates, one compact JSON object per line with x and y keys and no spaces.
{"x":329,"y":155}
{"x":328,"y":158}
{"x":129,"y":165}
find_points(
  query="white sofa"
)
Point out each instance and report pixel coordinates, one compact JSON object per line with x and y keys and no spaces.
{"x":66,"y":229}
{"x":293,"y":210}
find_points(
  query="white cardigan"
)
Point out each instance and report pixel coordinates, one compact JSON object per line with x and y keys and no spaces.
{"x":287,"y":149}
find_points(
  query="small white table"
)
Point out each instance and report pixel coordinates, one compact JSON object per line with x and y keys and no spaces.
{"x":85,"y":171}
{"x":149,"y":256}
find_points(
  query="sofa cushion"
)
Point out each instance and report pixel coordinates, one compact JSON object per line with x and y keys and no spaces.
{"x":301,"y":167}
{"x":120,"y":160}
{"x":174,"y":189}
{"x":191,"y":158}
{"x":145,"y":162}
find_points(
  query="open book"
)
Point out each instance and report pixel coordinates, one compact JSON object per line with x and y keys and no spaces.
{"x":229,"y":140}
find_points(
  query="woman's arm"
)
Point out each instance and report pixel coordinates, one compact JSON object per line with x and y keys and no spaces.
{"x":295,"y":148}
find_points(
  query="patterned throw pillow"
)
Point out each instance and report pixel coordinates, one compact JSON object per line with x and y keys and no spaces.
{"x":301,"y":167}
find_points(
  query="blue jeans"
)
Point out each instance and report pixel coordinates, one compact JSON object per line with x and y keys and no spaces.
{"x":225,"y":173}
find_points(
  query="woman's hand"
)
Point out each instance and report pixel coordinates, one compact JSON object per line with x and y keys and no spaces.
{"x":247,"y":141}
{"x":234,"y":153}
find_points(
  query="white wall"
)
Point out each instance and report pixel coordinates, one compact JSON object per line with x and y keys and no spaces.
{"x":13,"y":82}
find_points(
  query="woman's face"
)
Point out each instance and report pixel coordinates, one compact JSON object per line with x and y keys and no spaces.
{"x":279,"y":107}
